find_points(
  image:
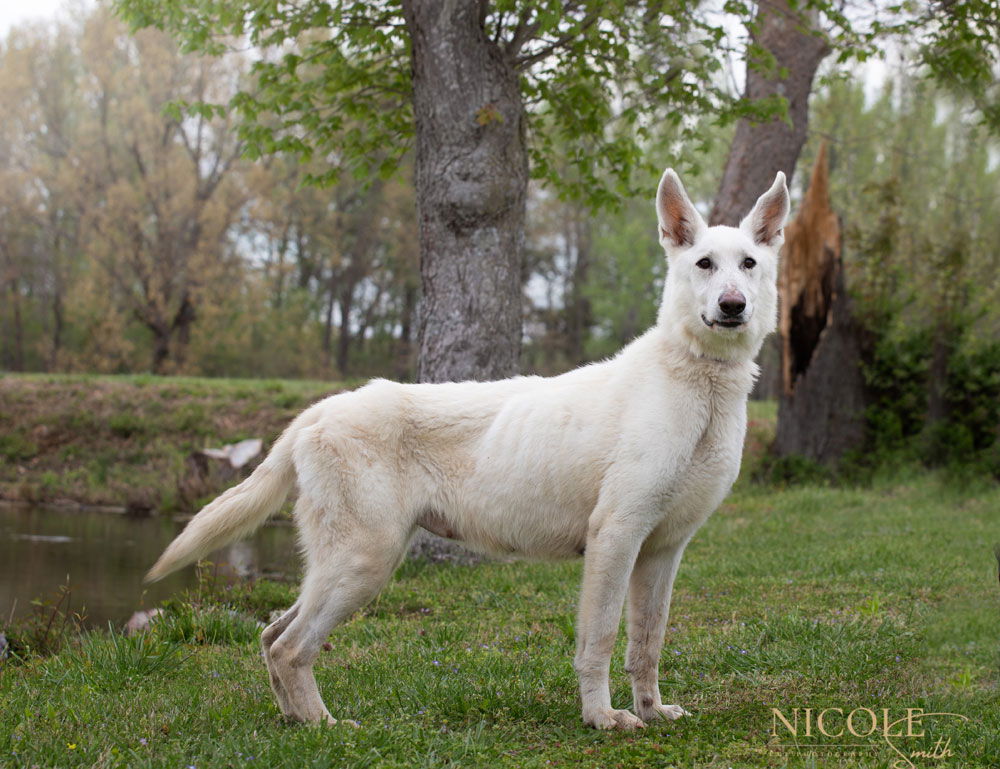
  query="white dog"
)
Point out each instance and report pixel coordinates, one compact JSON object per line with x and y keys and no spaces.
{"x":620,"y":461}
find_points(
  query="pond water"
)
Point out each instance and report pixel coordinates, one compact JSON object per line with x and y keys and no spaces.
{"x":102,"y":557}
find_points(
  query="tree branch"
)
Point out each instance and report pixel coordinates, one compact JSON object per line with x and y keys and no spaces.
{"x":524,"y":62}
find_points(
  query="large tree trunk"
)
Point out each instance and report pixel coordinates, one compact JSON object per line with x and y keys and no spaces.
{"x":821,"y":411}
{"x":760,"y":150}
{"x":471,"y":183}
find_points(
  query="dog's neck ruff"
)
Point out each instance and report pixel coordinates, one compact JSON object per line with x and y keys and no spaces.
{"x":690,"y":343}
{"x":733,"y":375}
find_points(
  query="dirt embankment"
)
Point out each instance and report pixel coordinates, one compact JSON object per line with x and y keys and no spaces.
{"x":127,"y":441}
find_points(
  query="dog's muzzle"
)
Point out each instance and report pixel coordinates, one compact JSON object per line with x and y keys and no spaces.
{"x":731,"y":307}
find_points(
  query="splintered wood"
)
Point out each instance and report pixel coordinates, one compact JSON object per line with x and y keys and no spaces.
{"x":810,"y":262}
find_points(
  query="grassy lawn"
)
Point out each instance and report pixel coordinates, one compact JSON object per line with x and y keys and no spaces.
{"x":883,"y":597}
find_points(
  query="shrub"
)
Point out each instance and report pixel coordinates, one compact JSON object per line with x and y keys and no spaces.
{"x":126,"y":424}
{"x":897,"y":376}
{"x":792,"y":470}
{"x":16,"y":447}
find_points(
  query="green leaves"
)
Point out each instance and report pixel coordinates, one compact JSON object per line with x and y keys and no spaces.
{"x":598,"y":79}
{"x":332,"y":79}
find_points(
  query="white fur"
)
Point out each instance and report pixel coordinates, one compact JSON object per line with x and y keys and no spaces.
{"x":621,"y":460}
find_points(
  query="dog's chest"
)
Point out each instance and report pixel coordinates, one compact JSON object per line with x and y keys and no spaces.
{"x":710,"y":470}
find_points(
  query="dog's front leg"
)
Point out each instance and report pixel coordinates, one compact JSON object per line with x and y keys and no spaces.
{"x":608,"y":561}
{"x":650,"y":587}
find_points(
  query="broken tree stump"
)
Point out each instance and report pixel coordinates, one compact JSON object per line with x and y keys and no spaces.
{"x":821,"y":411}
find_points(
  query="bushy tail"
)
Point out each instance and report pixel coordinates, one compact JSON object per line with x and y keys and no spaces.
{"x":236,"y":513}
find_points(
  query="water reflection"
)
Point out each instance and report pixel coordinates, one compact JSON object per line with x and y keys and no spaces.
{"x":103,"y":557}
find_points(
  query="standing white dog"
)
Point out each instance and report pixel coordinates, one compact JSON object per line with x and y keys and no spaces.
{"x":621,"y":461}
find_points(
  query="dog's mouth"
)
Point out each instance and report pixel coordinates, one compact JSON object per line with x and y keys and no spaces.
{"x":725,"y":323}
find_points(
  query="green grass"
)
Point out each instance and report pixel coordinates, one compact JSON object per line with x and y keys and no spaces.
{"x":810,"y":596}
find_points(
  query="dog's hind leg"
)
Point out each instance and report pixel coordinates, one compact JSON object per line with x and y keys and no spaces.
{"x":347,"y":568}
{"x":267,"y":639}
{"x":650,"y":587}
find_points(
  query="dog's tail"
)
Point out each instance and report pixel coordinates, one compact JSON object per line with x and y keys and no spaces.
{"x":236,"y":513}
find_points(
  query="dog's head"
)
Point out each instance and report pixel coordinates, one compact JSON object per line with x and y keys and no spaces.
{"x":721,"y":281}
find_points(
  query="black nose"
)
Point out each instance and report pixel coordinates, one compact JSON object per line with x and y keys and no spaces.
{"x":732,"y":303}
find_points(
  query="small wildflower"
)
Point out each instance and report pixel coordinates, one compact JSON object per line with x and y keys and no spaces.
{"x":677,"y":652}
{"x":71,"y":745}
{"x":214,"y":674}
{"x":435,"y":662}
{"x":898,"y":658}
{"x":743,"y":651}
{"x":143,"y":741}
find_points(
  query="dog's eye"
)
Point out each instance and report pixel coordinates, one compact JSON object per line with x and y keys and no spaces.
{"x":704,"y":263}
{"x":749,"y":263}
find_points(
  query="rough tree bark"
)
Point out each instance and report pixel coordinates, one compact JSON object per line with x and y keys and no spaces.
{"x":760,"y":150}
{"x":823,"y":399}
{"x":471,"y":183}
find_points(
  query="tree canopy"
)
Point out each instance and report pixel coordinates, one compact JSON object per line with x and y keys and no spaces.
{"x":333,"y":80}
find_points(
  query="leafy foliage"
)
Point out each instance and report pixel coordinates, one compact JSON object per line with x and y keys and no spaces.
{"x":333,"y":80}
{"x":962,"y":49}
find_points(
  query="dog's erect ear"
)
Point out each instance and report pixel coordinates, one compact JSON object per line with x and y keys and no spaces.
{"x":766,"y":222}
{"x":680,"y":222}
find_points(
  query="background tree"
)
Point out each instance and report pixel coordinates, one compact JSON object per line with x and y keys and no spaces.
{"x":167,"y":183}
{"x":39,"y":249}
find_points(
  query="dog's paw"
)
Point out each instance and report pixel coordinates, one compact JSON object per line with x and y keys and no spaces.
{"x":612,"y":719}
{"x":666,"y":712}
